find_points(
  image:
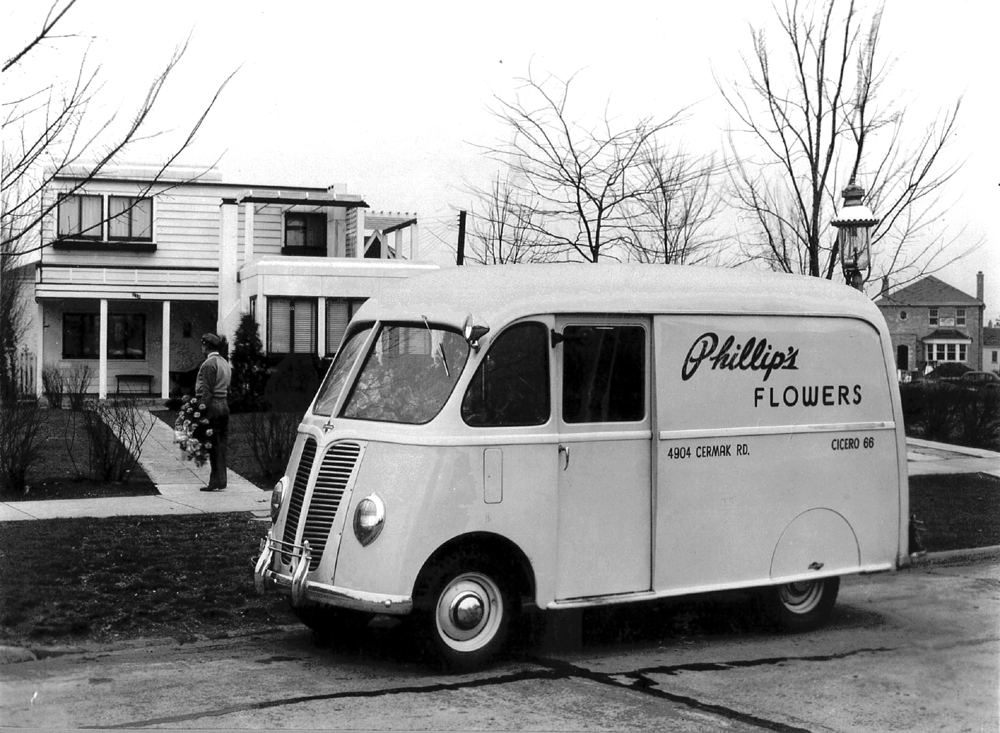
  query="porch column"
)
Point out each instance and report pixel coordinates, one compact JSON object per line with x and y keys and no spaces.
{"x":102,"y":354}
{"x":262,"y":320}
{"x":414,"y":240}
{"x":359,"y":247}
{"x":229,"y":302}
{"x":399,"y":245}
{"x":248,"y":211}
{"x":321,"y":327}
{"x":165,"y":353}
{"x":39,"y":349}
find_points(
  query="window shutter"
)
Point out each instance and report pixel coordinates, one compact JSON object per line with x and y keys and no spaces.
{"x":305,"y":327}
{"x":337,"y":318}
{"x":279,"y":326}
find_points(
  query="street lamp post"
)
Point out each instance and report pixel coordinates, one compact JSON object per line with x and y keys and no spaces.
{"x":854,"y":224}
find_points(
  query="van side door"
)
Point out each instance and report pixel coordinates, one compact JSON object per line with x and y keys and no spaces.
{"x":603,"y":408}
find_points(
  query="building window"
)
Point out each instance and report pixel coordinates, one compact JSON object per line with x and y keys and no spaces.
{"x":80,"y":336}
{"x":960,"y":317}
{"x":947,"y":352}
{"x":305,"y":233}
{"x":80,"y":217}
{"x":339,"y":313}
{"x":130,"y":218}
{"x":291,"y":326}
{"x":902,"y":315}
{"x":996,"y":354}
{"x":934,"y":316}
{"x":126,"y":336}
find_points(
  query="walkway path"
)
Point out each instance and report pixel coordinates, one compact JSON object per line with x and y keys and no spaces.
{"x":179,"y":481}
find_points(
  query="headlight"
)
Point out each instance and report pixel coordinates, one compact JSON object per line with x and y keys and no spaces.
{"x":369,"y":518}
{"x":277,"y":494}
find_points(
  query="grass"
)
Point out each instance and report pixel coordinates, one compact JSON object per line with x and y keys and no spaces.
{"x":182,"y":576}
{"x":62,"y":472}
{"x":132,"y":577}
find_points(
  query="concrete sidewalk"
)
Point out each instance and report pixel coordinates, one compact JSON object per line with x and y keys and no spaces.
{"x":178,"y":481}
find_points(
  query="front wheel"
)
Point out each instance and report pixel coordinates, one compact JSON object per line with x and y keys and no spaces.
{"x":466,"y":614}
{"x":802,"y":606}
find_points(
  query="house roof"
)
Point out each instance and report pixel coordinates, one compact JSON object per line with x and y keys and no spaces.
{"x":991,"y":337}
{"x":928,"y":291}
{"x":947,"y":334}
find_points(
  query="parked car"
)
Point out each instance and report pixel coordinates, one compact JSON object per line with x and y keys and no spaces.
{"x":951,"y":371}
{"x":980,"y":380}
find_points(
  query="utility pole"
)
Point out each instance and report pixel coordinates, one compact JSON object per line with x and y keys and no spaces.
{"x":460,"y":260}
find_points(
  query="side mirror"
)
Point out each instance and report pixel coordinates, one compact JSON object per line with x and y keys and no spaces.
{"x":474,"y":331}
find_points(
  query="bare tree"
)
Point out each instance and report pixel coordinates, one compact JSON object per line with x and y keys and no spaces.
{"x":503,"y":232}
{"x":580,"y":181}
{"x":673,"y":222}
{"x":815,"y":116}
{"x":49,"y":128}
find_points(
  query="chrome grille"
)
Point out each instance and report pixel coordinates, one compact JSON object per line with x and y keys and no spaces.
{"x":298,"y":496}
{"x":331,"y":481}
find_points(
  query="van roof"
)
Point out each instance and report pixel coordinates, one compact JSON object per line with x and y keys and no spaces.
{"x":497,"y":294}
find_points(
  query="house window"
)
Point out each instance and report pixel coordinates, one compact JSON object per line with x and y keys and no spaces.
{"x":126,"y":336}
{"x":902,"y":315}
{"x":934,"y":316}
{"x":291,"y":326}
{"x":130,"y":218}
{"x":80,"y":217}
{"x":339,"y":313}
{"x":947,"y":352}
{"x":996,"y":354}
{"x":960,"y":317}
{"x":80,"y":336}
{"x":305,"y":233}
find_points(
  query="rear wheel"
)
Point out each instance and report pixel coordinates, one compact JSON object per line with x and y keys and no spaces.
{"x":802,"y":606}
{"x":465,"y":612}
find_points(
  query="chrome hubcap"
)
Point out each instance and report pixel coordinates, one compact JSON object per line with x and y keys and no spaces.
{"x":469,"y":612}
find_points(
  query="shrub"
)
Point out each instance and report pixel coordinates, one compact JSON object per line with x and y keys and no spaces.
{"x":20,"y":444}
{"x":78,"y":386}
{"x":53,"y":387}
{"x":271,"y":437}
{"x":250,"y":369}
{"x":293,"y":384}
{"x":947,"y":413}
{"x":115,"y":430}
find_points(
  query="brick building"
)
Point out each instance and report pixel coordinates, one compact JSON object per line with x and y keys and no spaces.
{"x":932,"y":322}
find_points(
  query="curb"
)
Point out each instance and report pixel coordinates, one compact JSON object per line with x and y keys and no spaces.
{"x":951,"y":556}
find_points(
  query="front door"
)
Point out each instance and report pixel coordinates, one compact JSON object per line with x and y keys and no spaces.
{"x":603,"y":406}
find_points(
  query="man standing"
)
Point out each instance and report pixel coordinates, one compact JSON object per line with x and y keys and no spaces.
{"x":212,"y":388}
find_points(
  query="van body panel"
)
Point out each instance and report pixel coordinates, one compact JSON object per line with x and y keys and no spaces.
{"x":444,"y":487}
{"x":807,"y":423}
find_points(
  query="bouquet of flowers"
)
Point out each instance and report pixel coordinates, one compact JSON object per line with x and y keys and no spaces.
{"x":193,"y":431}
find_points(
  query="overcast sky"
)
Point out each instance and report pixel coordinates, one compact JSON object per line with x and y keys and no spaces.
{"x":386,"y":99}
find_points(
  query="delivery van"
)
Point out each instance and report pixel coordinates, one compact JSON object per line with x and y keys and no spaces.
{"x":562,"y":436}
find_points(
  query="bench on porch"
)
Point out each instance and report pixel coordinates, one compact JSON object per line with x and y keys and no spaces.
{"x":131,"y":381}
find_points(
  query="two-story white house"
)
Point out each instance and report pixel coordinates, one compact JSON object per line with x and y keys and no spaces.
{"x":136,"y":266}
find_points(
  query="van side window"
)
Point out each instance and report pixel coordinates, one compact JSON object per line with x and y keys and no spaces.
{"x":604,"y":374}
{"x":511,"y":386}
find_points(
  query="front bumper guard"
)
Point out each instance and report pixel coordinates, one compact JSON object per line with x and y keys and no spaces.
{"x":303,"y":591}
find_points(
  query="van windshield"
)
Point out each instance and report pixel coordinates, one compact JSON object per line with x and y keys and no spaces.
{"x":408,"y":374}
{"x":332,"y":386}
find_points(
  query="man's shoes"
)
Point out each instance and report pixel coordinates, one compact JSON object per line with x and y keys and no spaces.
{"x":210,"y":487}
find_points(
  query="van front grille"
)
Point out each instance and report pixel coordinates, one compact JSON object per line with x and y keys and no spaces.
{"x":298,"y":497}
{"x":332,"y":479}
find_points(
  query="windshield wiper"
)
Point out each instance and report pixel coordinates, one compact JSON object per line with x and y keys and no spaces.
{"x":440,"y":348}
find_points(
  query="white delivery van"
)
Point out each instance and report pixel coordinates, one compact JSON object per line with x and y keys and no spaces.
{"x":578,"y":435}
